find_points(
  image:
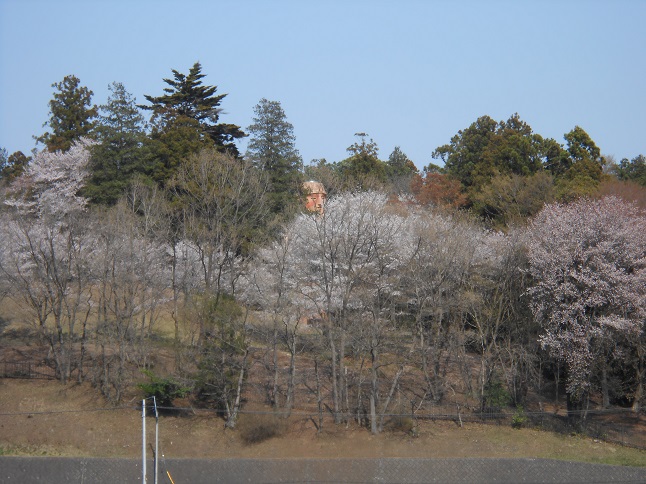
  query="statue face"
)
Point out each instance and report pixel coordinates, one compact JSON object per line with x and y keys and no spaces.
{"x":314,"y":202}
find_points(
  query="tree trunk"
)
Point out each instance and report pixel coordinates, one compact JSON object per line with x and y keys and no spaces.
{"x":640,"y":374}
{"x":393,"y":387}
{"x":289,"y":402}
{"x":319,"y":399}
{"x":335,"y":385}
{"x":374,"y":428}
{"x":604,"y":386}
{"x":274,"y":342}
{"x":233,"y":416}
{"x":343,"y":373}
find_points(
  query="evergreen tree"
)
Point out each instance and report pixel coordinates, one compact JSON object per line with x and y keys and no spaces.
{"x":12,"y":166}
{"x":190,"y":103}
{"x":634,"y":169}
{"x":272,"y":150}
{"x":4,"y":157}
{"x":488,"y":148}
{"x":399,"y":165}
{"x":119,"y":155}
{"x":579,"y":173}
{"x":363,"y":167}
{"x":400,"y":171}
{"x":71,"y":115}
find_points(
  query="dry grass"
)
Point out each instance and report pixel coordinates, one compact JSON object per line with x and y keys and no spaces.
{"x":47,"y":418}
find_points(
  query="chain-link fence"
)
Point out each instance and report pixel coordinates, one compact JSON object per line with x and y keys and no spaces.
{"x":617,"y":425}
{"x":26,"y":369}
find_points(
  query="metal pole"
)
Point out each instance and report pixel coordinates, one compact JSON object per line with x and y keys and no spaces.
{"x":156,"y":439}
{"x":143,"y":440}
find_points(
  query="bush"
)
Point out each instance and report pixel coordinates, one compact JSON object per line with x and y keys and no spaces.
{"x":165,"y":390}
{"x":495,"y":395}
{"x":400,"y":423}
{"x":256,"y":428}
{"x":519,"y":419}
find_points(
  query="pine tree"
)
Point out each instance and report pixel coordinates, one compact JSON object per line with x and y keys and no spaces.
{"x":120,"y":155}
{"x":400,"y":165}
{"x":272,"y":150}
{"x":71,"y":115}
{"x":189,"y":102}
{"x":363,"y":167}
{"x":185,"y":120}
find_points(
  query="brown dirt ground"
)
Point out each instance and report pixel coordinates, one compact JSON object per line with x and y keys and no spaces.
{"x":40,"y":417}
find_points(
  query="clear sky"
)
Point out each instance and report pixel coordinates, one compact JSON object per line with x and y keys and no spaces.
{"x":408,"y":73}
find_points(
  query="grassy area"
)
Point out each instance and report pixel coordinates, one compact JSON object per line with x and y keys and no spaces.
{"x":83,"y":425}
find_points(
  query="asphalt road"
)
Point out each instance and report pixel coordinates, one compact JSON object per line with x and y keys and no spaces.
{"x":27,"y":470}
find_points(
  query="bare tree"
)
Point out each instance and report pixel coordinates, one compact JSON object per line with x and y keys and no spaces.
{"x":223,"y":209}
{"x":436,"y":252}
{"x":271,"y":285}
{"x":132,"y":277}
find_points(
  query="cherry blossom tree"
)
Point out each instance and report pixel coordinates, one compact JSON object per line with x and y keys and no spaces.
{"x":271,"y":285}
{"x":588,"y":262}
{"x":343,"y":267}
{"x":437,"y":253}
{"x":48,"y":249}
{"x":50,"y":185}
{"x":131,"y":281}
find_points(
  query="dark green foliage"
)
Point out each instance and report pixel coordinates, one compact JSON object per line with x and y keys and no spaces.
{"x":169,"y":148}
{"x":581,"y":147}
{"x":580,"y":180}
{"x":224,"y":350}
{"x":519,"y":420}
{"x":400,"y":171}
{"x":363,"y":168}
{"x":3,"y":159}
{"x":495,"y":394}
{"x":165,"y":390}
{"x":464,"y":153}
{"x":488,"y":148}
{"x":71,"y":115}
{"x":272,"y":150}
{"x":399,"y":165}
{"x":13,"y":166}
{"x":186,"y":120}
{"x":512,"y":198}
{"x":490,"y":155}
{"x":634,"y":170}
{"x":120,"y":154}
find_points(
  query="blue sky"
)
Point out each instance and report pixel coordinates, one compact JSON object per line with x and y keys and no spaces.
{"x":408,"y":73}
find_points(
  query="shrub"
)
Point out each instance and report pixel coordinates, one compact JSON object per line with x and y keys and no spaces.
{"x":165,"y":390}
{"x":495,"y":395}
{"x":519,"y":419}
{"x":401,"y":423}
{"x":256,"y":428}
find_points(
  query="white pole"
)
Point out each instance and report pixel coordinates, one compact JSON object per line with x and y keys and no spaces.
{"x":156,"y":440}
{"x":143,"y":439}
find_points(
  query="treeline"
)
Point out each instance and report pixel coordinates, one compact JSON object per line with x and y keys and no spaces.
{"x":501,"y":170}
{"x":122,"y":223}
